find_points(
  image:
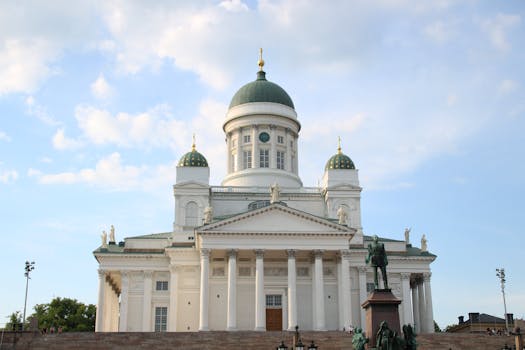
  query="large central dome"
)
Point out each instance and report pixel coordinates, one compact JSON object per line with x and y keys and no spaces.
{"x":261,"y":90}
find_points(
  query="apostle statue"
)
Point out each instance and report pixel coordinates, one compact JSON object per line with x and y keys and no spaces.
{"x":208,"y":215}
{"x":112,"y":234}
{"x":275,"y":190}
{"x":424,"y":243}
{"x":377,"y":259}
{"x":104,"y":238}
{"x":342,"y":215}
{"x":407,"y":235}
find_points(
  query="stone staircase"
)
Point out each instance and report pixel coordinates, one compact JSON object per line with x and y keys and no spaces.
{"x":231,"y":340}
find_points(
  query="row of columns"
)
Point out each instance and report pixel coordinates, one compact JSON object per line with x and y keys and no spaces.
{"x":260,"y":297}
{"x":423,"y":312}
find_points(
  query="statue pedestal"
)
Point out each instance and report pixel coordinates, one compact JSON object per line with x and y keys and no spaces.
{"x":381,"y":305}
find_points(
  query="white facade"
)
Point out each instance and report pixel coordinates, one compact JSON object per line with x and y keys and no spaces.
{"x":254,"y":262}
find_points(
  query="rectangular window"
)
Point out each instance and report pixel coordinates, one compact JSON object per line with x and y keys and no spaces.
{"x":280,"y":139}
{"x":246,"y":159}
{"x":274,"y":300}
{"x":280,"y":160}
{"x":247,"y":138}
{"x":264,"y":158}
{"x":161,"y":319}
{"x":161,"y":285}
{"x":291,"y":144}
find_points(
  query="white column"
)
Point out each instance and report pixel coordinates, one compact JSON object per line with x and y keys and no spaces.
{"x":260,"y":302}
{"x":239,"y":150}
{"x":273,"y":154}
{"x":422,"y":308}
{"x":204,"y":292}
{"x":146,"y":301}
{"x":428,"y":303}
{"x":229,"y":152}
{"x":288,"y":166}
{"x":319,"y":288}
{"x":362,"y":294}
{"x":255,"y":147}
{"x":172,"y":310}
{"x":292,"y":290}
{"x":99,"y":318}
{"x":124,"y":294}
{"x":346,"y":299}
{"x":415,"y":309}
{"x":341,"y":322}
{"x":231,"y":318}
{"x":406,"y":304}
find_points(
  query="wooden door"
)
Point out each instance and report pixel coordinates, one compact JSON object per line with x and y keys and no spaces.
{"x":274,"y":319}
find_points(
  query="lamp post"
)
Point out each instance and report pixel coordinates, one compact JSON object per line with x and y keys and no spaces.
{"x":30,"y":266}
{"x":501,"y":275}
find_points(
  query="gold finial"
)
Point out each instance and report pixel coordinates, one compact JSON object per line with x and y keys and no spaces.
{"x":261,"y":61}
{"x":193,"y":145}
{"x":339,"y":145}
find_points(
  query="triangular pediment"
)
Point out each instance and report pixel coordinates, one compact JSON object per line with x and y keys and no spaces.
{"x":276,"y":219}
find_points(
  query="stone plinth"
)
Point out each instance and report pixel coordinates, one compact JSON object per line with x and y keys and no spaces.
{"x":381,"y":305}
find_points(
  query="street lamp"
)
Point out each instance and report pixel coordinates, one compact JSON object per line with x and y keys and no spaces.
{"x":501,"y":275}
{"x":30,"y":266}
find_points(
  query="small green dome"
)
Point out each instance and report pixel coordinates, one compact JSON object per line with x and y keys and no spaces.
{"x":339,"y":160}
{"x":261,"y":90}
{"x":193,"y":158}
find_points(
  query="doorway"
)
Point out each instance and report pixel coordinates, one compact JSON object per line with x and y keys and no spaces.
{"x":274,"y":312}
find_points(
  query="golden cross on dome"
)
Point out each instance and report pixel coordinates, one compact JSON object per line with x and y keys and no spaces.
{"x":193,"y":145}
{"x":339,"y":145}
{"x":261,"y":61}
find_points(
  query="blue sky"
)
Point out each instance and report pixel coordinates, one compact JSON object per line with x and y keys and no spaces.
{"x":99,"y":100}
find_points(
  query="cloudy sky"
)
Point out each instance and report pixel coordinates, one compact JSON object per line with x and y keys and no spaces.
{"x":98,"y":101}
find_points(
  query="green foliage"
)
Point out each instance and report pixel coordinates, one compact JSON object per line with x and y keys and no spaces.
{"x":70,"y":314}
{"x":449,"y":327}
{"x":15,"y":321}
{"x":436,"y":328}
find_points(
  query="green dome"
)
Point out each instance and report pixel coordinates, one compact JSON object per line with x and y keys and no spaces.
{"x":339,"y":161}
{"x":261,"y":90}
{"x":193,"y":158}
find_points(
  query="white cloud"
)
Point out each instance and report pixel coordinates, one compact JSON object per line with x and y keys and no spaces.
{"x":438,"y":31}
{"x":507,"y":85}
{"x":497,"y":27}
{"x":101,"y":89}
{"x":153,"y":128}
{"x":4,"y":137}
{"x":46,"y":160}
{"x":110,"y":173}
{"x":32,"y":38}
{"x":8,"y":176}
{"x":39,"y":111}
{"x":234,"y":5}
{"x":61,"y":142}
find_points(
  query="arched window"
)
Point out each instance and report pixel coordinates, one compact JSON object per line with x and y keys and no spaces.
{"x":192,"y":214}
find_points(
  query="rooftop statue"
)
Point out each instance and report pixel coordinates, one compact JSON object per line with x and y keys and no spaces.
{"x":112,"y":234}
{"x":407,"y":235}
{"x":275,"y":190}
{"x":424,"y":241}
{"x":104,"y":238}
{"x":377,"y":259}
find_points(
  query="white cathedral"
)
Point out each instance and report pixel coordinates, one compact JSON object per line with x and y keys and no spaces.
{"x":261,"y":251}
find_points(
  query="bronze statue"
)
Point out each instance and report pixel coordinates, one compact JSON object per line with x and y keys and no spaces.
{"x":359,"y":340}
{"x":377,"y":258}
{"x":387,"y":339}
{"x":410,"y":337}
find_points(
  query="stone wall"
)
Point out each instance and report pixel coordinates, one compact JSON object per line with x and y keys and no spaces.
{"x":229,"y":340}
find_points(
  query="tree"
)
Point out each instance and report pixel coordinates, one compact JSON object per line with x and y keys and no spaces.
{"x":436,"y":328}
{"x":70,"y":314}
{"x":15,"y":322}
